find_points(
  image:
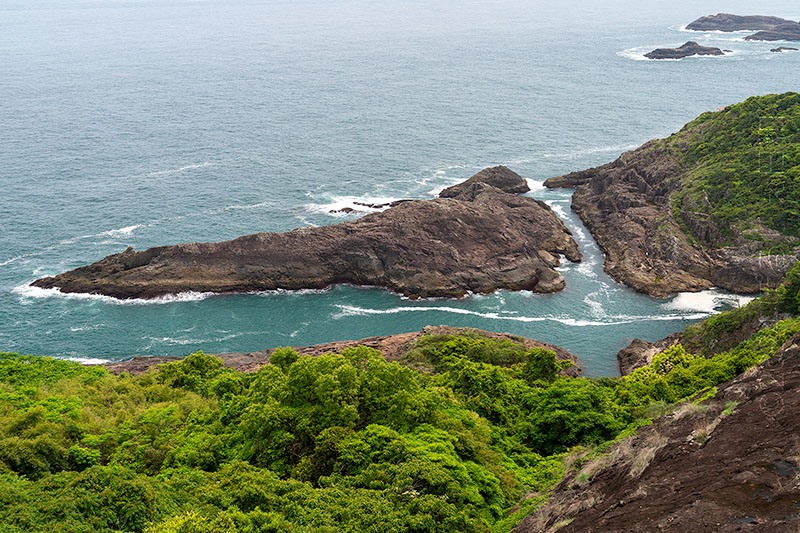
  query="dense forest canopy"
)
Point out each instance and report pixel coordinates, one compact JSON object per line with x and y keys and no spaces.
{"x":743,"y":166}
{"x":338,"y":442}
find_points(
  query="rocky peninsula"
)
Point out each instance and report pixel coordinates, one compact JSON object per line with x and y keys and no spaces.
{"x":691,"y":211}
{"x":688,"y":49}
{"x":478,"y":239}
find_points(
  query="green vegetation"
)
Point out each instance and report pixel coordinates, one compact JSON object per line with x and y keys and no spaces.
{"x":345,"y":442}
{"x":742,"y":169}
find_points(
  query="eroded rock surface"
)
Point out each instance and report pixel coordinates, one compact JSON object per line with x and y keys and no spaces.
{"x":478,"y":239}
{"x":627,"y":205}
{"x":728,"y":465}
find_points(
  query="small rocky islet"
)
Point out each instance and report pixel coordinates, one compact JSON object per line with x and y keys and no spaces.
{"x":767,"y":29}
{"x":688,"y":49}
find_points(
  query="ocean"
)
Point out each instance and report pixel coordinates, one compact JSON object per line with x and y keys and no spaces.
{"x":153,"y":122}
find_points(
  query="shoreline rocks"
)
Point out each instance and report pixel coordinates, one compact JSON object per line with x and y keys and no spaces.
{"x":481,"y":239}
{"x":393,"y":348}
{"x":627,"y":206}
{"x":688,"y":49}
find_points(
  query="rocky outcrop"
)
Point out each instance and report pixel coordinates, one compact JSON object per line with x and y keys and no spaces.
{"x":782,"y":49}
{"x":785,"y":32}
{"x":728,"y":464}
{"x":392,"y":347}
{"x":480,"y":240}
{"x":767,"y":28}
{"x":627,"y":205}
{"x":728,"y":22}
{"x":687,"y":49}
{"x":501,"y":177}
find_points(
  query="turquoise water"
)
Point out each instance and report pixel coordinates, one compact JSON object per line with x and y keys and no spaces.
{"x":156,"y":122}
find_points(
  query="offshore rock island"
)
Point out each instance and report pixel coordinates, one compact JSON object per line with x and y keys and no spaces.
{"x":767,"y":28}
{"x":711,"y":205}
{"x":479,"y":239}
{"x":687,"y":49}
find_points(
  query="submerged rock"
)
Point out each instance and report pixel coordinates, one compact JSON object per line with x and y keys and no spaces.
{"x":783,"y":49}
{"x":479,"y":240}
{"x":687,"y":49}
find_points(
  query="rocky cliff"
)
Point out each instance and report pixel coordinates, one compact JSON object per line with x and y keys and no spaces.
{"x":700,"y":208}
{"x":727,"y":463}
{"x":479,"y":239}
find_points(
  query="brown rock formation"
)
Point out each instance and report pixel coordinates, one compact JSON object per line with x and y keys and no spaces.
{"x":728,"y":465}
{"x":501,"y":177}
{"x":393,"y":348}
{"x":627,"y":206}
{"x":479,"y":240}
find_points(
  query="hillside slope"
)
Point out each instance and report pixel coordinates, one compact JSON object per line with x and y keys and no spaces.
{"x":715,"y":204}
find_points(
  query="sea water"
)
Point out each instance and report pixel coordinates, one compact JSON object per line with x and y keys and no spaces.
{"x":145,"y":123}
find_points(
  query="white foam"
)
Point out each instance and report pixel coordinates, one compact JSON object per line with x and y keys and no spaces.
{"x":295,"y":292}
{"x":86,"y":328}
{"x":86,"y":360}
{"x":535,"y":184}
{"x":708,"y":301}
{"x":350,"y":310}
{"x":595,"y":307}
{"x":12,"y":260}
{"x":27,"y":292}
{"x":178,"y":170}
{"x":127,"y":231}
{"x":248,"y":206}
{"x":337,"y":203}
{"x":580,"y":152}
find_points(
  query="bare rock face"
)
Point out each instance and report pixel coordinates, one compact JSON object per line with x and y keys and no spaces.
{"x":729,"y":465}
{"x":501,"y":177}
{"x":729,"y":22}
{"x":687,"y":49}
{"x":479,"y":240}
{"x":392,"y":347}
{"x":790,"y":31}
{"x":627,"y":206}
